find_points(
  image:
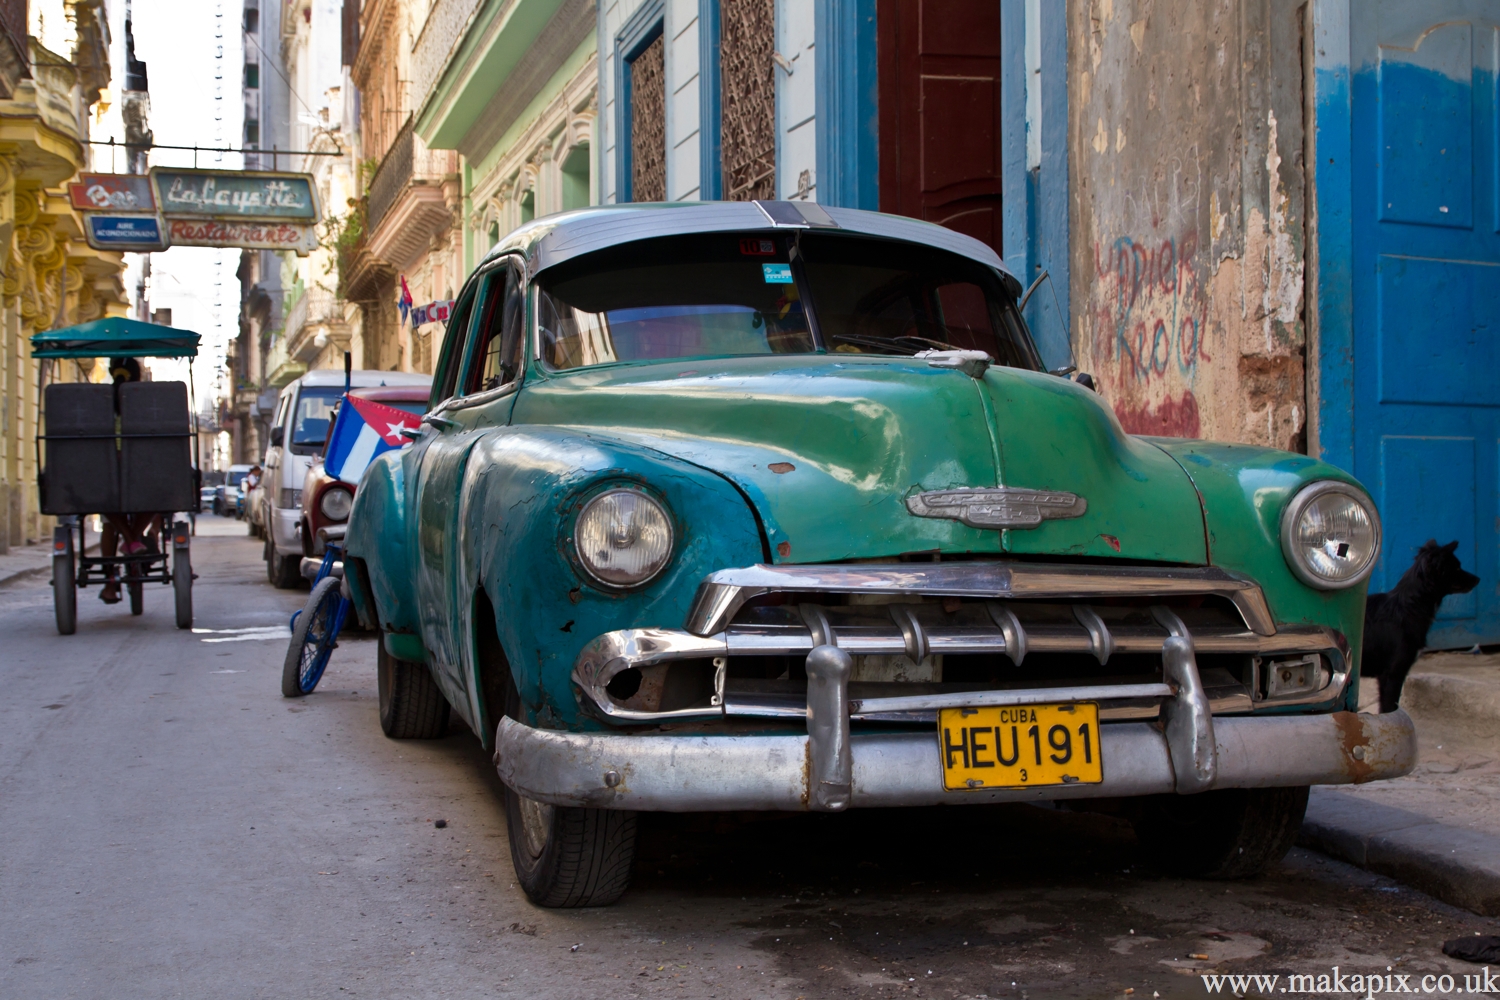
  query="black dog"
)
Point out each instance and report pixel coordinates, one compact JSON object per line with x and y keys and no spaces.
{"x":1396,"y":622}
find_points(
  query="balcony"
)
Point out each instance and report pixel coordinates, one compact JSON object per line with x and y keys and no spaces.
{"x":408,"y":203}
{"x":315,"y":321}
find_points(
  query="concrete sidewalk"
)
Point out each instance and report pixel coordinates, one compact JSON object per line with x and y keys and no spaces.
{"x":25,"y":561}
{"x":1438,"y":828}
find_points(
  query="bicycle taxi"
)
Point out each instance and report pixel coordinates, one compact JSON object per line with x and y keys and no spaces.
{"x":125,"y":451}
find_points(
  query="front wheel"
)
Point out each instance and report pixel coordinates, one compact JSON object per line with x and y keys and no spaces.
{"x":1225,"y":834}
{"x":65,"y":593}
{"x":182,"y":587}
{"x":285,"y":571}
{"x":137,"y":597}
{"x":313,"y":640}
{"x":411,"y":706}
{"x":565,"y":856}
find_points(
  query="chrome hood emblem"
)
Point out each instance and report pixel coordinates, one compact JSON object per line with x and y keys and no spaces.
{"x":1005,"y":507}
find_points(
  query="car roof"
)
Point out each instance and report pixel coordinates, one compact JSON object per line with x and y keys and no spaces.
{"x":552,"y":239}
{"x":395,"y":393}
{"x":240,"y":468}
{"x":361,"y":378}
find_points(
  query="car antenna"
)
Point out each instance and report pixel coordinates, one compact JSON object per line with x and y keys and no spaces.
{"x":348,"y":370}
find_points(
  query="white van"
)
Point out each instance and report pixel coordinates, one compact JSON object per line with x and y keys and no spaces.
{"x":297,"y":436}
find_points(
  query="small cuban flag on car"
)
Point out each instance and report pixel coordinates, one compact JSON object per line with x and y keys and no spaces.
{"x":363,"y":430}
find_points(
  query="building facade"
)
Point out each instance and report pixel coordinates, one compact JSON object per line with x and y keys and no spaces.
{"x":55,"y":69}
{"x":1260,"y":221}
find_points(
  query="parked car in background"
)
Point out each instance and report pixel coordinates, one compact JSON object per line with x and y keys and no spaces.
{"x":327,"y":500}
{"x":227,"y":497}
{"x":303,"y":414}
{"x":767,"y":505}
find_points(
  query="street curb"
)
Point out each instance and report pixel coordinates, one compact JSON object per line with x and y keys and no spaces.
{"x":1452,"y":698}
{"x":24,"y":574}
{"x":1457,"y":865}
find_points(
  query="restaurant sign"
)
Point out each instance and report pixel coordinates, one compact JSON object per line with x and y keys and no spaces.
{"x":112,"y":193}
{"x":235,"y":194}
{"x":300,"y":238}
{"x":136,"y":233}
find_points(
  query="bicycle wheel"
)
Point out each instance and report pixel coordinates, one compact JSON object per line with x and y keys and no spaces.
{"x":313,"y":639}
{"x":137,"y":596}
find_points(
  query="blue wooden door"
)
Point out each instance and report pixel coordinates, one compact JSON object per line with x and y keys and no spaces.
{"x":1426,"y":282}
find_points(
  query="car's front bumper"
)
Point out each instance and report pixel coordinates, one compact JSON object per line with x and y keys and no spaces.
{"x":665,"y":773}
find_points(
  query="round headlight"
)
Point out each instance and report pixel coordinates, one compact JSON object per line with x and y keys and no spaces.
{"x":623,"y":538}
{"x":336,"y":503}
{"x":1330,"y":535}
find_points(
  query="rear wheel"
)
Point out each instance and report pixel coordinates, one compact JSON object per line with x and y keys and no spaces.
{"x":313,"y":640}
{"x":65,"y":593}
{"x":565,"y":856}
{"x":137,"y":594}
{"x":411,"y":706}
{"x":1225,"y":834}
{"x":182,"y":586}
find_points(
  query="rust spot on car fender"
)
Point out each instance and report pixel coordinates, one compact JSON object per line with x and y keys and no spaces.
{"x":784,"y":549}
{"x":781,"y":468}
{"x":1355,"y":743}
{"x":1111,"y":541}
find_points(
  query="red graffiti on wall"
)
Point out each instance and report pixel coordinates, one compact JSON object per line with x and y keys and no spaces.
{"x":1171,"y":418}
{"x":1149,"y":310}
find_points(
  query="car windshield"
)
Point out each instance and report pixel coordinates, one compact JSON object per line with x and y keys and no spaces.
{"x":727,"y":294}
{"x":314,"y":410}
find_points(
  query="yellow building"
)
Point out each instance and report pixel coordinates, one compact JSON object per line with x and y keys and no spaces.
{"x":51,"y":277}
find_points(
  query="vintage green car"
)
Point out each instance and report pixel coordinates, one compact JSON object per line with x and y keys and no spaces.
{"x":771,"y":506}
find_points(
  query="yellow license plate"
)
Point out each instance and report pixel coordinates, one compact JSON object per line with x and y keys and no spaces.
{"x":1021,"y":747}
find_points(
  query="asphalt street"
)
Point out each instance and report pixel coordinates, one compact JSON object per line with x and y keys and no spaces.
{"x":170,"y":826}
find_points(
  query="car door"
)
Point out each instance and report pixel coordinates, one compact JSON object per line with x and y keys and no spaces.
{"x":484,"y":376}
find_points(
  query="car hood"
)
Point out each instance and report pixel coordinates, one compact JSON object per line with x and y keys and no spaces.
{"x":829,"y":448}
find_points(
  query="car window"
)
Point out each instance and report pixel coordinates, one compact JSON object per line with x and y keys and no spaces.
{"x":452,"y":357}
{"x":313,"y":414}
{"x":684,"y":296}
{"x":874,"y":296}
{"x":497,"y":349}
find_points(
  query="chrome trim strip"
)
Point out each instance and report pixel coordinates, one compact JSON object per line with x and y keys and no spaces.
{"x":721,"y":594}
{"x":1000,"y":699}
{"x":816,"y":620}
{"x":1101,"y":642}
{"x":1011,"y":628}
{"x":698,"y":773}
{"x":912,"y":636}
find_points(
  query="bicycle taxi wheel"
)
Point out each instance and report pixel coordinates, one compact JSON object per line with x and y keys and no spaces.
{"x":313,"y":639}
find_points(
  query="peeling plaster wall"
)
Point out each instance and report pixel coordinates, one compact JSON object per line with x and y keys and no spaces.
{"x":1186,"y":155}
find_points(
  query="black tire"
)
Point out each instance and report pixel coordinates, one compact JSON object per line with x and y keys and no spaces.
{"x":564,"y":856}
{"x":65,"y":593}
{"x":137,"y":596}
{"x":268,"y":554}
{"x":314,"y":613}
{"x":182,"y":586}
{"x":411,"y":706}
{"x":1226,"y":834}
{"x":286,"y":571}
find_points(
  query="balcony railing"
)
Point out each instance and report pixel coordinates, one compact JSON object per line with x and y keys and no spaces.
{"x":408,"y":162}
{"x":392,"y":176}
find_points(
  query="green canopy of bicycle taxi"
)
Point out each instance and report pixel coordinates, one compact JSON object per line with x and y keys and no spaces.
{"x":115,"y":337}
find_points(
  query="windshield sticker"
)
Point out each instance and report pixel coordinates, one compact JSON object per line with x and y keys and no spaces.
{"x":777,"y":274}
{"x":752,"y":246}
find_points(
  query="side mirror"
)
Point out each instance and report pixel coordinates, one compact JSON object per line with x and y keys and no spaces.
{"x":278,"y":436}
{"x":1086,"y":380}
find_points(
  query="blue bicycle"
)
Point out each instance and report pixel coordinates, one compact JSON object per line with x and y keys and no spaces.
{"x":315,"y":629}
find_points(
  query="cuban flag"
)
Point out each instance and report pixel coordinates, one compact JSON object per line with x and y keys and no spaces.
{"x":363,"y":430}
